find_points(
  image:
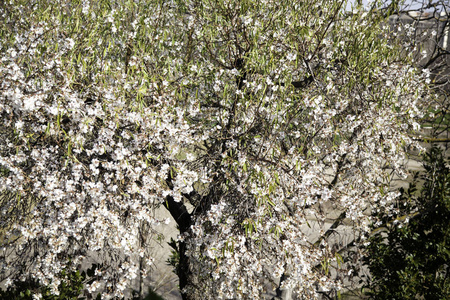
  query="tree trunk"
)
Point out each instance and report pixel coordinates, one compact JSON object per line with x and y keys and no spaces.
{"x":283,"y":294}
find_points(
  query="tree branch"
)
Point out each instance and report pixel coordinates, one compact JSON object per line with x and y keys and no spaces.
{"x":429,"y":139}
{"x":179,"y":213}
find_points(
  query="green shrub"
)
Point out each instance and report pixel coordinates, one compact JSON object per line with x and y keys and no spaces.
{"x":409,"y":255}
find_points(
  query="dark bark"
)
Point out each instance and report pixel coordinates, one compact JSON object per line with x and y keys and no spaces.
{"x":183,"y":219}
{"x":183,"y":271}
{"x":179,"y":213}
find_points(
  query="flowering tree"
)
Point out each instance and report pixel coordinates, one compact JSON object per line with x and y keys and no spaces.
{"x":264,"y":116}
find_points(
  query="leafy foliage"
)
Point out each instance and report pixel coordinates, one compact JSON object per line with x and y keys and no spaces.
{"x":409,"y":255}
{"x":174,"y":258}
